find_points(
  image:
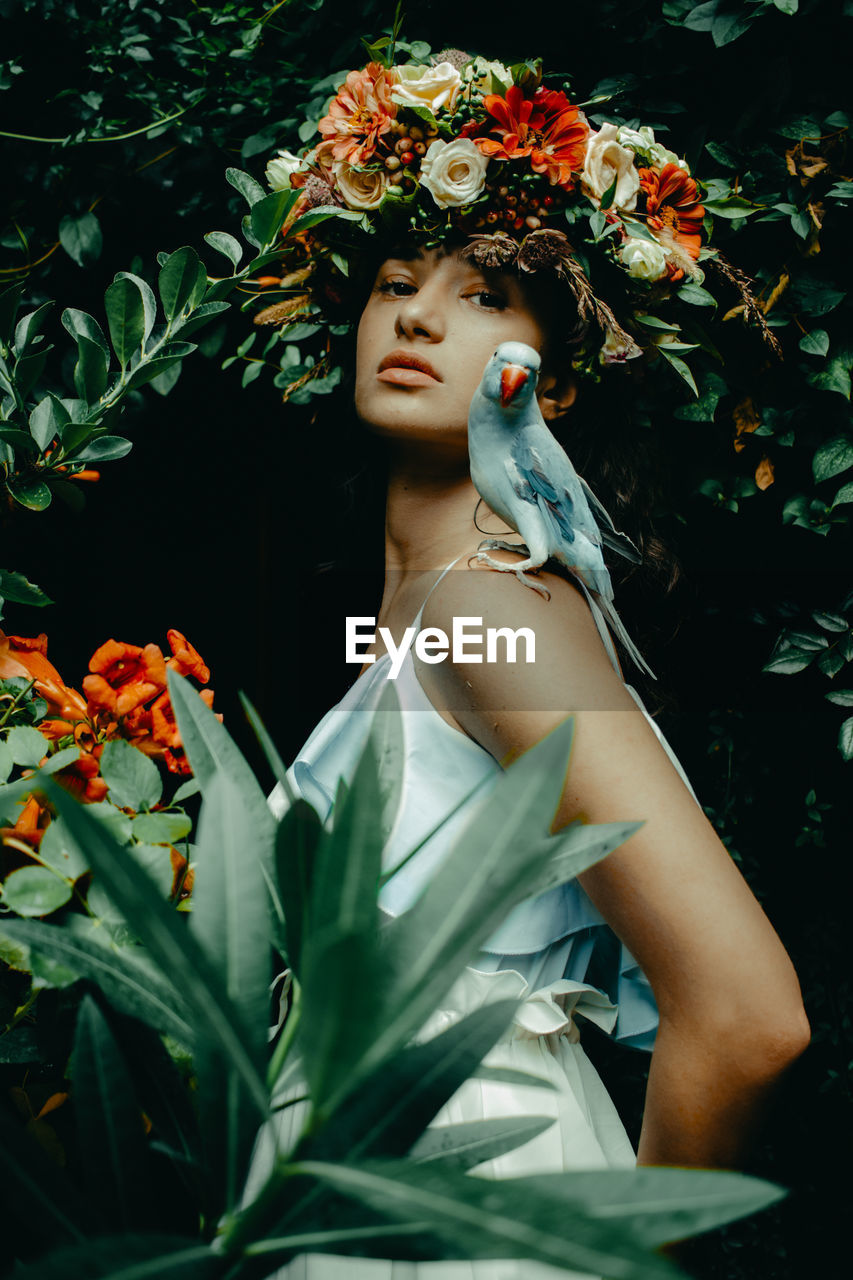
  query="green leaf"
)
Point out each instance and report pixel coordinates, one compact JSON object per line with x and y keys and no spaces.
{"x":26,"y":745}
{"x":178,"y":280}
{"x":831,"y":662}
{"x":6,"y":761}
{"x":19,"y":590}
{"x":841,"y":697}
{"x":845,"y":739}
{"x":91,"y":370}
{"x":268,"y":215}
{"x":815,"y":343}
{"x":133,"y":778}
{"x":833,"y":457}
{"x":109,"y":1122}
{"x":81,"y":238}
{"x":696,"y":296}
{"x":149,"y":302}
{"x":128,"y":982}
{"x":30,"y":325}
{"x":787,"y":6}
{"x":251,"y":190}
{"x":127,"y":1257}
{"x":10,"y":300}
{"x":216,"y":1020}
{"x":788,"y":663}
{"x":225,"y":244}
{"x":35,"y":891}
{"x":29,"y":491}
{"x":845,"y":494}
{"x":161,"y":828}
{"x":156,"y":861}
{"x":680,"y":368}
{"x":80,"y":323}
{"x":831,"y":621}
{"x":125,"y":319}
{"x":464,"y":1146}
{"x":60,"y":853}
{"x":835,"y":376}
{"x":732,"y":207}
{"x":104,"y":449}
{"x":148,"y":370}
{"x":46,"y":421}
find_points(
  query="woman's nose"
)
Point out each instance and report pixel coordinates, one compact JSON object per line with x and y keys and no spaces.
{"x":420,"y":316}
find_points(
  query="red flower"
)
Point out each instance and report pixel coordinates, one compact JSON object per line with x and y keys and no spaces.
{"x":186,"y":660}
{"x":27,"y":657}
{"x":546,"y":127}
{"x":674,"y":212}
{"x":124,"y":676}
{"x":83,"y":780}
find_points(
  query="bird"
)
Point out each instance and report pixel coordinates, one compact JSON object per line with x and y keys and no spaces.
{"x":527,"y":479}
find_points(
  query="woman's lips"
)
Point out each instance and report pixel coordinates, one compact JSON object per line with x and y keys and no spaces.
{"x":405,"y":376}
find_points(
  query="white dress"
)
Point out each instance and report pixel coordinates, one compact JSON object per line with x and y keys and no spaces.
{"x":554,"y":951}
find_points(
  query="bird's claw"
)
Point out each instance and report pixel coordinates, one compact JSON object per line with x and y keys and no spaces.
{"x":497,"y":544}
{"x":482,"y":557}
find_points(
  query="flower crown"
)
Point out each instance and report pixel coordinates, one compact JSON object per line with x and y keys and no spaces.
{"x":462,"y":145}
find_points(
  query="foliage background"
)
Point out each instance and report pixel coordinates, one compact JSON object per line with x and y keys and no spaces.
{"x":216,"y":520}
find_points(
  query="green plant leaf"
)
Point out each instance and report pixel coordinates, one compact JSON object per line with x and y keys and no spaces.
{"x":109,"y":1123}
{"x":29,"y":491}
{"x":833,"y":457}
{"x":35,"y":891}
{"x":128,"y":1257}
{"x":178,"y":280}
{"x":841,"y":697}
{"x":845,"y":739}
{"x":80,"y":323}
{"x":46,"y":421}
{"x":81,"y":238}
{"x":682,"y":369}
{"x":788,"y":663}
{"x":464,"y":1146}
{"x":269,"y":213}
{"x":225,"y":244}
{"x":29,"y":327}
{"x":815,"y":343}
{"x":61,"y":854}
{"x":104,"y":449}
{"x":133,"y":778}
{"x":149,"y":302}
{"x":215,"y":1020}
{"x":19,"y":590}
{"x":249,"y":188}
{"x":26,"y":745}
{"x":125,"y":319}
{"x":162,"y":828}
{"x":91,"y":370}
{"x":123,"y":975}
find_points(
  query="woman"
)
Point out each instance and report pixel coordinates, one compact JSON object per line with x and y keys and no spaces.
{"x":726,"y":1018}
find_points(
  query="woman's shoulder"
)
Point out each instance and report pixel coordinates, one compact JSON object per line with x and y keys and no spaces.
{"x":559,"y":665}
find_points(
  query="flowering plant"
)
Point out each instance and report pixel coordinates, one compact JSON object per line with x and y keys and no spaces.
{"x":462,"y":145}
{"x":103,"y":746}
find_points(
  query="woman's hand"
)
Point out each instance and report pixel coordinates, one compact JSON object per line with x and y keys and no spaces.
{"x":731,"y":1015}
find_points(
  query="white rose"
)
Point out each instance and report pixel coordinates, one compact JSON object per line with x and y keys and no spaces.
{"x":454,"y":173}
{"x":280,"y":168}
{"x":643,"y":140}
{"x":479,"y":73}
{"x":433,"y":87}
{"x":643,"y":260}
{"x":606,"y":160}
{"x":360,"y":188}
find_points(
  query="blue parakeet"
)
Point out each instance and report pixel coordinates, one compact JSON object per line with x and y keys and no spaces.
{"x":521,"y":471}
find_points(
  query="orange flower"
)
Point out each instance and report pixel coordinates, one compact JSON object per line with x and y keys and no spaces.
{"x":675,"y":214}
{"x":164,"y":726}
{"x":26,"y":656}
{"x":546,"y":127}
{"x":360,"y":114}
{"x":124,"y":676}
{"x":83,"y":780}
{"x":31,"y":825}
{"x":185,"y":659}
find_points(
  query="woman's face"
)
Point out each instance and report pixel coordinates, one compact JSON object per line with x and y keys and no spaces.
{"x":447,"y":316}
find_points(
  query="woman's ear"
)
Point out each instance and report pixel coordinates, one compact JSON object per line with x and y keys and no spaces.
{"x":556,"y":393}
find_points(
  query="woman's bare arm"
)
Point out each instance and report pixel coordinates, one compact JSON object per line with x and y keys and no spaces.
{"x":731,"y":1015}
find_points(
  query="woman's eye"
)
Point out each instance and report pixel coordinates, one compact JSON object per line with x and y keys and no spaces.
{"x":490,"y":300}
{"x":396,"y":288}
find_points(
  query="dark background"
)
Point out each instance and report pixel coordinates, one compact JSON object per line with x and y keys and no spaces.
{"x":217,"y":521}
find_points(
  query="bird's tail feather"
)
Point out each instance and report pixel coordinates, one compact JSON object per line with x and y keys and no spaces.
{"x":610,"y":535}
{"x":601,"y":605}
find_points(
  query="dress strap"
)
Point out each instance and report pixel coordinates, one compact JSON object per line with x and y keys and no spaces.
{"x":416,"y":622}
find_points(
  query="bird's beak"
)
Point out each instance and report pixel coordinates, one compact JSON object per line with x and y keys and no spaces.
{"x":513,"y":378}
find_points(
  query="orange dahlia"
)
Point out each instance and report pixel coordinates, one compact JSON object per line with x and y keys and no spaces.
{"x":360,"y":114}
{"x":546,"y":127}
{"x":674,"y":214}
